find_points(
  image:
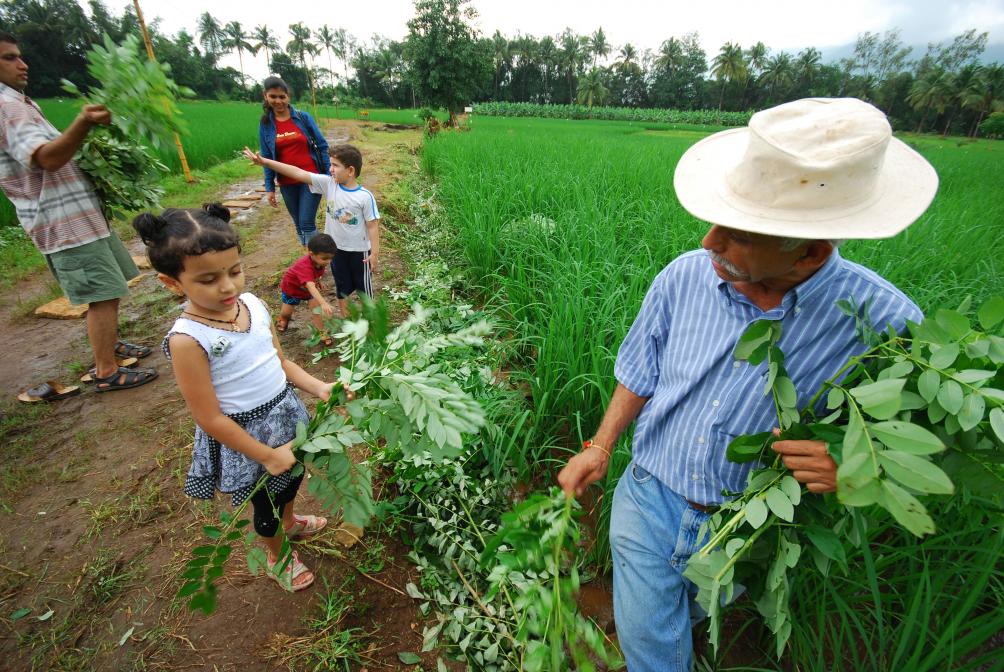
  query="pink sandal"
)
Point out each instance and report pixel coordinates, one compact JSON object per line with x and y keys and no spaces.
{"x":306,"y":526}
{"x":294,"y":570}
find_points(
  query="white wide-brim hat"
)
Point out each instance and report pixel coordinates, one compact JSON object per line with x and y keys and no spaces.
{"x":818,"y":168}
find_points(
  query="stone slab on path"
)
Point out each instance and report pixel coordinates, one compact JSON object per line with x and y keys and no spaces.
{"x":61,"y":309}
{"x":142,"y":263}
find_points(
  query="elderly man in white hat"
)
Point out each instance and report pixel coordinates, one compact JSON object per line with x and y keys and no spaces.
{"x":779,"y":195}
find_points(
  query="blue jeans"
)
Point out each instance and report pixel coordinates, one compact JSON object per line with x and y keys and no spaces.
{"x":302,"y":206}
{"x":653,"y":532}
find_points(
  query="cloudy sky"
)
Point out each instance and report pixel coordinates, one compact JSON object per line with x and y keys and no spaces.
{"x":780,"y":24}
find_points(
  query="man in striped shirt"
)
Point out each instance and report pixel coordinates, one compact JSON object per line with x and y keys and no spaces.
{"x":778,"y":196}
{"x":57,"y":207}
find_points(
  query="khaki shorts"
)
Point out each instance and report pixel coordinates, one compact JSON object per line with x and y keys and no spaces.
{"x":95,"y":271}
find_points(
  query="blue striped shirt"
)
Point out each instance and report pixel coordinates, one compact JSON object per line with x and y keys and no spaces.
{"x":678,"y":353}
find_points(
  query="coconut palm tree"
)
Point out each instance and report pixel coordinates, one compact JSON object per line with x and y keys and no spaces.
{"x":326,"y":38}
{"x":778,"y":74}
{"x":591,"y":88}
{"x":344,"y":45}
{"x":671,"y":57}
{"x":929,"y":91}
{"x":265,"y":39}
{"x":211,"y":34}
{"x":598,"y":45}
{"x":729,"y":66}
{"x":547,"y":52}
{"x":235,"y":39}
{"x":300,"y":46}
{"x":571,"y":56}
{"x":987,"y":96}
{"x":807,"y":67}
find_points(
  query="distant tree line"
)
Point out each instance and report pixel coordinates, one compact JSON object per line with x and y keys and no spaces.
{"x":945,"y":89}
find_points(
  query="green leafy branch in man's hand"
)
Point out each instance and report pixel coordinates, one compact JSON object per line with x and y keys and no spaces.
{"x":913,"y":416}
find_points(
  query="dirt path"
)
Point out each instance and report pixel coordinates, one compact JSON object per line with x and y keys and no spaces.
{"x":94,"y":526}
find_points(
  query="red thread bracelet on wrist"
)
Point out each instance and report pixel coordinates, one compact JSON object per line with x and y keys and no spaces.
{"x":589,"y":443}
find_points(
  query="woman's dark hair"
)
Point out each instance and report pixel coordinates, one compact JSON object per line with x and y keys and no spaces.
{"x":176,"y":234}
{"x":272,"y":82}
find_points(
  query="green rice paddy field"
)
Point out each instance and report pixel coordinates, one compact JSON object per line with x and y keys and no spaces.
{"x":567,"y":223}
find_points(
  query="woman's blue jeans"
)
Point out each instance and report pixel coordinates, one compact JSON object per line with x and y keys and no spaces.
{"x":653,"y":532}
{"x":302,"y":205}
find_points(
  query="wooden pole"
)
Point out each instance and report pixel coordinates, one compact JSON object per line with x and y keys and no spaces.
{"x":149,"y":53}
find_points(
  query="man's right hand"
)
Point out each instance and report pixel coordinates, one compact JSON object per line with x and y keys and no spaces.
{"x":96,"y":114}
{"x":583,"y":470}
{"x":281,"y":460}
{"x":272,"y":200}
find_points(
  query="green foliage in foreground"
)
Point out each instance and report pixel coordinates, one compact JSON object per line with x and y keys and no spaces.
{"x":662,"y":116}
{"x":402,"y":403}
{"x":910,"y":417}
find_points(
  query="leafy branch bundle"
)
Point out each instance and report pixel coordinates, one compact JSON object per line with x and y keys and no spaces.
{"x":403,"y":403}
{"x":539,"y":537}
{"x":140,"y":94}
{"x":912,"y":416}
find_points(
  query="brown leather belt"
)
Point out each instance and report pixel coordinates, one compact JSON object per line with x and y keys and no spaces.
{"x":703,"y":508}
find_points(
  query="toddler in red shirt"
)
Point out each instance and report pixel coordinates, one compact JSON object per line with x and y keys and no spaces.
{"x":300,"y":283}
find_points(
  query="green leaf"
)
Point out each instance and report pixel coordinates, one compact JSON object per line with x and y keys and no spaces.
{"x":882,"y":399}
{"x":972,"y":411}
{"x":991,"y":312}
{"x":756,"y":512}
{"x":747,"y":448}
{"x":409,"y":658}
{"x":834,"y":398}
{"x":906,"y":437}
{"x":954,"y":323}
{"x":915,"y":472}
{"x":791,"y":488}
{"x":944,"y":356}
{"x":755,"y":335}
{"x":906,"y":509}
{"x":997,"y":422}
{"x":18,"y":614}
{"x":786,"y":393}
{"x":780,"y":505}
{"x":928,"y":384}
{"x":827,"y":541}
{"x":950,"y":396}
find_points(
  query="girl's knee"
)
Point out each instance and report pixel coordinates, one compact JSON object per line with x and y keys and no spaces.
{"x":266,"y":527}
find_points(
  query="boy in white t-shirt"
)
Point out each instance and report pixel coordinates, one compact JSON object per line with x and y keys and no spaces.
{"x":351,"y":217}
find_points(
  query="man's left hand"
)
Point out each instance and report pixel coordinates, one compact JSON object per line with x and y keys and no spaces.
{"x":810,"y":463}
{"x":96,"y":114}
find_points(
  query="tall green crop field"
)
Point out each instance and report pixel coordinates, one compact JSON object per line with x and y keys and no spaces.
{"x":568,"y":222}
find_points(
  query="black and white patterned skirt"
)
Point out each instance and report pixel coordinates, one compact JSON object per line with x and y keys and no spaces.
{"x":216,"y":467}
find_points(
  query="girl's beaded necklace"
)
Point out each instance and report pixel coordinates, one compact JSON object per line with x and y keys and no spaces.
{"x":232,"y":323}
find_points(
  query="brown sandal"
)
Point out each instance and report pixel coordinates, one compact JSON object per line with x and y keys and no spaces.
{"x":123,"y":379}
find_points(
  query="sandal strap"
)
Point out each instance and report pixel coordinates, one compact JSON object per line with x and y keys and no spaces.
{"x":131,"y":376}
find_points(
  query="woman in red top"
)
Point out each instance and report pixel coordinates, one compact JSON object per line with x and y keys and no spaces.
{"x":289,"y":135}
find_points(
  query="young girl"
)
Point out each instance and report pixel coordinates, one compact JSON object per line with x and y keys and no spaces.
{"x":232,"y":373}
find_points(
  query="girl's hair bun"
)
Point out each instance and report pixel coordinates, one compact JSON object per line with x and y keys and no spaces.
{"x":150,"y":227}
{"x":217,"y":210}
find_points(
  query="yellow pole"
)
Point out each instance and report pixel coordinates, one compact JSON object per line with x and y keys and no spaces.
{"x":149,"y":53}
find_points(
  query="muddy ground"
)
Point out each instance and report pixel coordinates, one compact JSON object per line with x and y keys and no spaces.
{"x":95,"y":529}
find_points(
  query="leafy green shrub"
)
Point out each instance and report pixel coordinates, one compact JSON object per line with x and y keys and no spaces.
{"x":993,"y":126}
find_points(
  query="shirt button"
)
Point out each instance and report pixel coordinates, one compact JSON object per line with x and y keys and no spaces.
{"x":797,"y":310}
{"x":696,"y":477}
{"x":715,"y":402}
{"x":700,"y":439}
{"x":736,"y":364}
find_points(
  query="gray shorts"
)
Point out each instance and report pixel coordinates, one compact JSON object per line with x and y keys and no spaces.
{"x":95,"y":271}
